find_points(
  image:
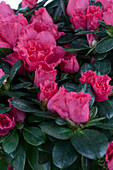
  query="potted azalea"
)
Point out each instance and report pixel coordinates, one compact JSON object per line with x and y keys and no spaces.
{"x":56,"y":97}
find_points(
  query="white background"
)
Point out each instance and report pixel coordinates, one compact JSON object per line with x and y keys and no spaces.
{"x":14,"y":3}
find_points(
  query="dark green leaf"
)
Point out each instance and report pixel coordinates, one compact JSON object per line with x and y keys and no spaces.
{"x":32,"y":156}
{"x":93,"y":112}
{"x":11,"y":142}
{"x":67,"y":38}
{"x":3,"y":164}
{"x":104,"y":45}
{"x":35,"y":119}
{"x":4,"y":109}
{"x":44,"y":157}
{"x":86,"y":32}
{"x":105,"y":109}
{"x":63,"y":154}
{"x":70,"y":87}
{"x":34,"y":136}
{"x":14,"y":70}
{"x":56,"y":131}
{"x":98,"y":4}
{"x":24,"y":105}
{"x":19,"y":157}
{"x":103,"y":66}
{"x":5,"y":51}
{"x":100,"y":56}
{"x":21,"y":85}
{"x":60,"y":121}
{"x":90,"y":143}
{"x":86,"y":67}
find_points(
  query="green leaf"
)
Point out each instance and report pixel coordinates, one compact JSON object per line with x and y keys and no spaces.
{"x":87,"y":32}
{"x":70,"y":87}
{"x":90,"y":143}
{"x":105,"y":108}
{"x":60,"y":121}
{"x":103,"y":66}
{"x":5,"y":51}
{"x":4,"y":109}
{"x":98,"y":4}
{"x":67,"y":38}
{"x":19,"y":156}
{"x":86,"y":67}
{"x":3,"y":164}
{"x":63,"y":154}
{"x":21,"y":85}
{"x":44,"y":157}
{"x":35,"y":119}
{"x":24,"y":105}
{"x":86,"y":88}
{"x":105,"y":45}
{"x":32,"y":156}
{"x":100,"y":56}
{"x":59,"y":132}
{"x":11,"y":142}
{"x":34,"y":136}
{"x":14,"y":70}
{"x":93,"y":112}
{"x":2,"y":138}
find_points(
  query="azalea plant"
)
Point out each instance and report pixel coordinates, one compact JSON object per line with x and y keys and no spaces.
{"x":56,"y":86}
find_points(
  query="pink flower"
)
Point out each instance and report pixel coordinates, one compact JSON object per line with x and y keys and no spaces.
{"x":78,"y":19}
{"x":5,"y":9}
{"x":11,"y":26}
{"x":34,"y":48}
{"x":91,"y":39}
{"x":10,"y":167}
{"x":109,"y":155}
{"x":76,"y":4}
{"x":29,"y":3}
{"x":42,"y":21}
{"x":7,"y":123}
{"x":47,"y":90}
{"x":74,"y":106}
{"x":17,"y":114}
{"x":105,"y":4}
{"x":100,"y":84}
{"x":78,"y":104}
{"x":43,"y":73}
{"x":94,"y":13}
{"x":12,"y":59}
{"x":69,"y":63}
{"x":4,"y":44}
{"x":108,"y":16}
{"x":1,"y":72}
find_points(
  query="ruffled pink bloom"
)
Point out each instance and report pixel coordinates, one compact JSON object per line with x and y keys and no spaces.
{"x":74,"y":106}
{"x":12,"y":59}
{"x":78,"y":104}
{"x":42,"y":21}
{"x":34,"y":48}
{"x":94,"y":13}
{"x":11,"y":26}
{"x":43,"y":73}
{"x":47,"y":90}
{"x":76,"y":4}
{"x":78,"y":19}
{"x":108,"y":16}
{"x":100,"y":84}
{"x":4,"y":44}
{"x":5,"y":9}
{"x":29,"y":3}
{"x":10,"y":167}
{"x":7,"y":123}
{"x":69,"y":63}
{"x":109,"y":156}
{"x":17,"y":114}
{"x":91,"y":38}
{"x":1,"y":72}
{"x":105,"y":4}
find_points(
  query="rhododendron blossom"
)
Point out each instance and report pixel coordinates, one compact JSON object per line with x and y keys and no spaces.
{"x":100,"y":84}
{"x":7,"y":123}
{"x":42,"y":21}
{"x":74,"y":106}
{"x":43,"y":73}
{"x":94,"y":13}
{"x":109,"y":155}
{"x":5,"y":9}
{"x":69,"y":63}
{"x":1,"y":72}
{"x":17,"y":114}
{"x":76,"y":4}
{"x":34,"y":48}
{"x":29,"y":3}
{"x":47,"y":90}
